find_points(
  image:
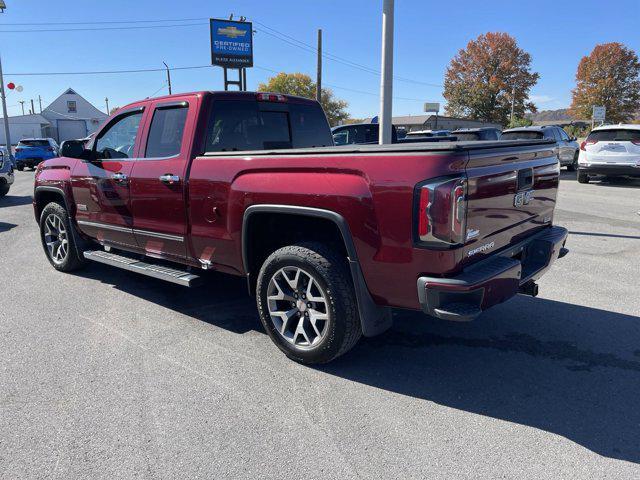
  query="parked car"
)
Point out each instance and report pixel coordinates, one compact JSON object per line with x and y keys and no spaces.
{"x":568,"y":148}
{"x":429,"y":133}
{"x":610,"y":150}
{"x":328,"y":239}
{"x":368,"y":133}
{"x":6,"y":172}
{"x":31,"y":151}
{"x":476,"y":134}
{"x":360,"y":133}
{"x":4,"y":151}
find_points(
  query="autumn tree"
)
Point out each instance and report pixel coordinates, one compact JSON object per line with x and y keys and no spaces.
{"x":303,"y":86}
{"x":483,"y":78}
{"x":610,"y":77}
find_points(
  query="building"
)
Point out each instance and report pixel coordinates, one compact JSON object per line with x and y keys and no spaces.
{"x":68,"y":117}
{"x":437,"y":122}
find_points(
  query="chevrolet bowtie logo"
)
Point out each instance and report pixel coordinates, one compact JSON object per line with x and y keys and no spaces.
{"x":232,"y":32}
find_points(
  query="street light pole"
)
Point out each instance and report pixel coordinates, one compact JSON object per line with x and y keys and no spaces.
{"x":5,"y":115}
{"x":106,"y":101}
{"x":386,"y":78}
{"x":513,"y":103}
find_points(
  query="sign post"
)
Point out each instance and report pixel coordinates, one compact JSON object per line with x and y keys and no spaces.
{"x":599,"y":114}
{"x":232,"y":48}
{"x":432,"y":107}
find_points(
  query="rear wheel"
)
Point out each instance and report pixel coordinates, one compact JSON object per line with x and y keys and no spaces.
{"x":58,"y":239}
{"x":306,"y":303}
{"x":583,"y":177}
{"x":20,"y":168}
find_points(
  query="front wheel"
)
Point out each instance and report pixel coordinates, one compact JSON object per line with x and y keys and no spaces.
{"x":307,"y":303}
{"x":4,"y":190}
{"x":20,"y":168}
{"x":58,"y":239}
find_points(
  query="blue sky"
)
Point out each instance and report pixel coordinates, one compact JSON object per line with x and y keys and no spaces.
{"x":428,"y":33}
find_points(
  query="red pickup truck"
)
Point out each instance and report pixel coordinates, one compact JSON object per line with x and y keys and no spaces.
{"x":329,"y":238}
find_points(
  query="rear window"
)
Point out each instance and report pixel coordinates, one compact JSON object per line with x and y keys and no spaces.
{"x":615,"y":135}
{"x":165,"y":134}
{"x":33,"y":143}
{"x":521,"y":135}
{"x":251,"y":125}
{"x":467,"y":136}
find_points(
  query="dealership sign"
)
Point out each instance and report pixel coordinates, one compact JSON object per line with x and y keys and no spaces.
{"x":599,"y":113}
{"x":231,"y":43}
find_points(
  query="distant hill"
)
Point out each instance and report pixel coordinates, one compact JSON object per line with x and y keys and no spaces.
{"x":561,"y":114}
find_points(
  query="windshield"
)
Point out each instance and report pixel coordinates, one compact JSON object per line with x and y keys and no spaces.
{"x":33,"y":143}
{"x":615,"y":135}
{"x":467,"y":136}
{"x":521,"y":135}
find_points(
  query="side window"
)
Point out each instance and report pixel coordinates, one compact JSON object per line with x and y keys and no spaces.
{"x":119,"y":139}
{"x":563,"y":135}
{"x":550,"y":134}
{"x":166,"y":131}
{"x":345,"y":136}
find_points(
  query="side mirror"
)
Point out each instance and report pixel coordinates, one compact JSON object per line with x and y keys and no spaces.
{"x":74,"y":149}
{"x":573,"y":139}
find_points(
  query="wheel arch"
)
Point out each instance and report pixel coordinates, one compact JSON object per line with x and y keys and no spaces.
{"x":374,"y":319}
{"x":45,"y":194}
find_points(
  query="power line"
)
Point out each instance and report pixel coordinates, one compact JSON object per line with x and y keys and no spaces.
{"x":46,"y":30}
{"x":106,"y":72}
{"x":108,"y":22}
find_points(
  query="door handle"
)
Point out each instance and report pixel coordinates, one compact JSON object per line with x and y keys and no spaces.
{"x":119,"y":177}
{"x":169,"y":178}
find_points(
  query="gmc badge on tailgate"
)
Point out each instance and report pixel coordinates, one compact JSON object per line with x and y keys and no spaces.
{"x":522,"y":198}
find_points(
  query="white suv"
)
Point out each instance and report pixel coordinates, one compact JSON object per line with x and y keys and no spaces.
{"x":610,"y":150}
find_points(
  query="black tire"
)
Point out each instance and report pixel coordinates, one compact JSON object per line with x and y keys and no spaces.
{"x":20,"y":168}
{"x":329,"y":270}
{"x":4,"y":190}
{"x":573,"y":166}
{"x":72,"y":259}
{"x":583,"y":177}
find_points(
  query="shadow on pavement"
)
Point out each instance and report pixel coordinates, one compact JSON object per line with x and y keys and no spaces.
{"x":610,"y":235}
{"x":566,"y":369}
{"x":5,"y":227}
{"x":15,"y":200}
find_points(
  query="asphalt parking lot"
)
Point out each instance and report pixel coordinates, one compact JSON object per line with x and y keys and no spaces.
{"x":105,"y":374}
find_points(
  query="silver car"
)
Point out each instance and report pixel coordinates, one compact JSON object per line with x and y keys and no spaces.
{"x":6,"y":172}
{"x":568,"y":148}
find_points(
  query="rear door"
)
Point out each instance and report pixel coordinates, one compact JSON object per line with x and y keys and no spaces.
{"x":617,"y":146}
{"x":101,"y":186}
{"x":511,"y":193}
{"x":158,"y":180}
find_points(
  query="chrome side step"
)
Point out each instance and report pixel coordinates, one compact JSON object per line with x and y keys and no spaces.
{"x":180,"y":277}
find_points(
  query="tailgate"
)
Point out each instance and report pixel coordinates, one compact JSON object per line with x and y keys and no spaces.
{"x":511,"y":194}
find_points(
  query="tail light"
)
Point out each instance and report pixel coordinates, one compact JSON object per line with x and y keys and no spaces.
{"x":271,"y":97}
{"x":636,"y":142}
{"x":18,"y":149}
{"x":49,"y":149}
{"x":442,"y":211}
{"x":583,"y":145}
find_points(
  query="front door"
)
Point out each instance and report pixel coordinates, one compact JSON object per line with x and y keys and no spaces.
{"x":101,"y":189}
{"x":158,"y":183}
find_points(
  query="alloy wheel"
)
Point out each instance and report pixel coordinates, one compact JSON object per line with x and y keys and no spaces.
{"x":56,"y":238}
{"x":298,"y":307}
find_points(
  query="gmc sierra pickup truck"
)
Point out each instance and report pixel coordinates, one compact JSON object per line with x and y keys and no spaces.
{"x":329,"y":238}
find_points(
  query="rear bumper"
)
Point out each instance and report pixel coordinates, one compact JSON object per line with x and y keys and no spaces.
{"x":628,"y":170}
{"x":29,"y":162}
{"x":493,"y":280}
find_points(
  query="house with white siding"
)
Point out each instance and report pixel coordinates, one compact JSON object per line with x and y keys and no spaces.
{"x":69,"y":116}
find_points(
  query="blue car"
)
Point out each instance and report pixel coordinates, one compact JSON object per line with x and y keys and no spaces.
{"x":31,"y":151}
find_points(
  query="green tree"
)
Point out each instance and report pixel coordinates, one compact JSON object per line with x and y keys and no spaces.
{"x":303,"y":86}
{"x":608,"y":76}
{"x":520,"y":122}
{"x":483,"y":78}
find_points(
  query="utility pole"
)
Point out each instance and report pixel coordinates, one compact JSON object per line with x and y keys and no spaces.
{"x":513,"y":104}
{"x":386,"y":78}
{"x":5,"y":115}
{"x":168,"y":77}
{"x":319,"y":68}
{"x":33,"y":109}
{"x":21,"y":102}
{"x":106,"y":100}
{"x":40,"y":102}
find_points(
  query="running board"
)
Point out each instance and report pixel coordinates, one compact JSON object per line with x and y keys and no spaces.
{"x":180,"y":277}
